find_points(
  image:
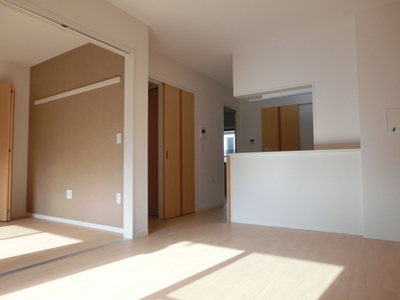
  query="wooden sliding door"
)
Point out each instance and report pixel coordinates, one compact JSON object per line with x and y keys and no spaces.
{"x":172,"y":152}
{"x":270,"y":129}
{"x":179,"y":157}
{"x":280,"y":128}
{"x":290,"y":130}
{"x":6,"y":142}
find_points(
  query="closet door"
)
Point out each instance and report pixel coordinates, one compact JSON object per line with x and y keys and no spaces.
{"x":280,"y":128}
{"x":188,"y":153}
{"x":290,"y":132}
{"x":172,"y":152}
{"x":6,"y":135}
{"x":270,"y":129}
{"x":179,"y":152}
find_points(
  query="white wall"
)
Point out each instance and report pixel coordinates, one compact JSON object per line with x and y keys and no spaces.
{"x":306,"y":124}
{"x":328,"y":59}
{"x":250,"y":120}
{"x":11,"y":72}
{"x":314,"y":190}
{"x":100,"y":18}
{"x":378,"y":49}
{"x":210,"y":97}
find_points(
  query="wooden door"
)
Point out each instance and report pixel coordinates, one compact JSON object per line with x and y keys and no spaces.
{"x":172,"y":152}
{"x":270,"y":129}
{"x":290,"y":132}
{"x":188,"y":153}
{"x":6,"y":142}
{"x":179,"y":152}
{"x":280,"y":128}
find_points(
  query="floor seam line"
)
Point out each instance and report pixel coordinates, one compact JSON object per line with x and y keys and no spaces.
{"x":60,"y":258}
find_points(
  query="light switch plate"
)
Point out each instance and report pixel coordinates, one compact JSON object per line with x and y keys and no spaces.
{"x":119,"y":138}
{"x":393,"y":119}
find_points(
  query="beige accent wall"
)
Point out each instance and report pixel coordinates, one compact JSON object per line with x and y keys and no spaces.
{"x":72,"y":141}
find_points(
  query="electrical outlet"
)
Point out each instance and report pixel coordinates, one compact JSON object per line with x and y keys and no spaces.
{"x":119,"y":198}
{"x":69,"y":194}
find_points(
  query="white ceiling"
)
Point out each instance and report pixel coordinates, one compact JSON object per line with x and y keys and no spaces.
{"x":203,"y":34}
{"x":27,"y":41}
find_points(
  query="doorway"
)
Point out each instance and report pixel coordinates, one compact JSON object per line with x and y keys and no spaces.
{"x":287,"y":128}
{"x":171,"y":151}
{"x":153,"y":141}
{"x":251,"y":107}
{"x":41,"y":21}
{"x":7,"y":92}
{"x":229,"y":135}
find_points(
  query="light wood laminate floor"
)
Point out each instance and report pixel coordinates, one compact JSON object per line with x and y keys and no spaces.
{"x":197,"y":256}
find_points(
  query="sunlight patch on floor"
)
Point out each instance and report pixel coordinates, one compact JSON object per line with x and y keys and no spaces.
{"x":263,"y":276}
{"x":132,"y":278}
{"x":32,"y":242}
{"x":12,"y":231}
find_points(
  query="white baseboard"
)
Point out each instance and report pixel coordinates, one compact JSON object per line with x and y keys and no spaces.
{"x":209,"y":207}
{"x":351,"y":231}
{"x":79,"y":223}
{"x":377,"y":236}
{"x":20,"y":215}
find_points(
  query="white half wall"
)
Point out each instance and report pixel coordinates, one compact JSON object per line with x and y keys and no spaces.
{"x":326,"y":58}
{"x":11,"y":72}
{"x":314,"y":190}
{"x":210,"y":97}
{"x":378,"y":53}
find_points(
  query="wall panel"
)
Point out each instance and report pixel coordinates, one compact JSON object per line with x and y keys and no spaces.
{"x":72,"y":141}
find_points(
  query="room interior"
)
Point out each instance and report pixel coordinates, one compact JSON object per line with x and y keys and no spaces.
{"x":357,"y":66}
{"x":16,"y":60}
